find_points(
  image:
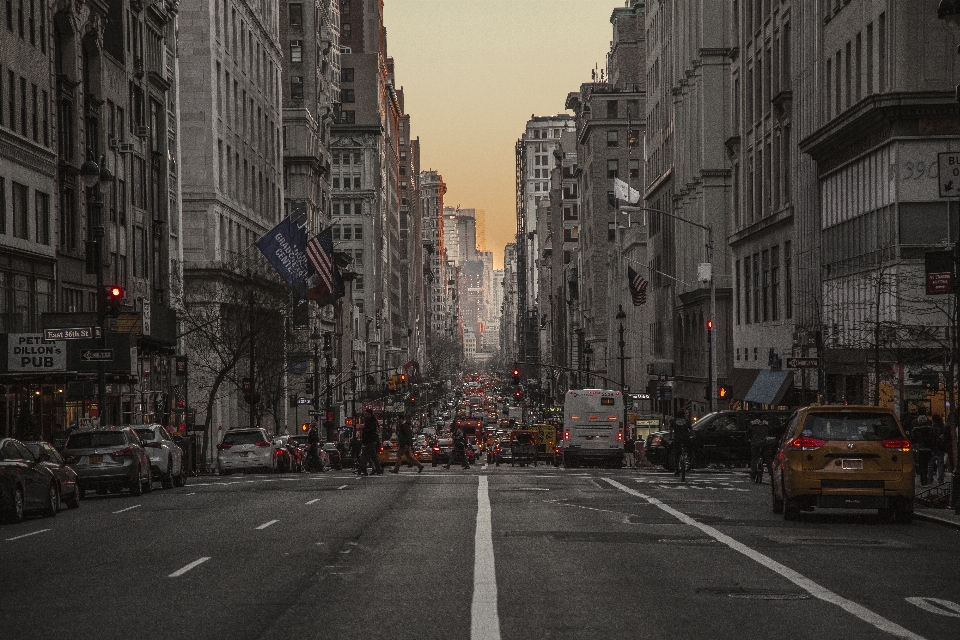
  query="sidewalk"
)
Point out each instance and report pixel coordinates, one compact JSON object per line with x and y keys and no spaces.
{"x":936,"y":493}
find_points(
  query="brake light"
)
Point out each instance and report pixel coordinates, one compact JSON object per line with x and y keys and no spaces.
{"x":224,"y":446}
{"x":262,"y":443}
{"x":566,"y":434}
{"x":806,"y":443}
{"x":619,"y":436}
{"x":896,"y":444}
{"x":436,"y":448}
{"x":123,"y":453}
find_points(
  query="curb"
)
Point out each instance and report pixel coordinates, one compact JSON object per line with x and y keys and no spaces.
{"x":929,"y":517}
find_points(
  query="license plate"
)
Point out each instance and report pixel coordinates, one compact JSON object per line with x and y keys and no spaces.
{"x":851,"y":463}
{"x":244,"y":454}
{"x":95,"y":459}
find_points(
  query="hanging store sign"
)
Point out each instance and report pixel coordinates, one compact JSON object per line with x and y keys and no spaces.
{"x":30,"y":353}
{"x":939,"y":271}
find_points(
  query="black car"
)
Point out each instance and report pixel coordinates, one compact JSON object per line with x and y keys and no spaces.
{"x":26,"y":484}
{"x":66,"y":477}
{"x":722,"y":437}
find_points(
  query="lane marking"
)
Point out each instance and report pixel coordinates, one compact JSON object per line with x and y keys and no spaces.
{"x":314,"y":500}
{"x":808,"y":585}
{"x":937,"y":606}
{"x":136,"y":506}
{"x":342,"y":487}
{"x":180,"y":572}
{"x":484,"y":620}
{"x":27,"y":535}
{"x":267,"y":524}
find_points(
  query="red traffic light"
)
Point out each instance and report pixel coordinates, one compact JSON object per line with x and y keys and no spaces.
{"x":115,"y":292}
{"x":709,"y":325}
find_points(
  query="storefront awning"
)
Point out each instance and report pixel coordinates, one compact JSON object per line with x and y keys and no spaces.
{"x":770,"y":387}
{"x":741,"y":381}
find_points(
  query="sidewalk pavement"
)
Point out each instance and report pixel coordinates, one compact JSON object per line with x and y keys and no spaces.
{"x":936,"y":494}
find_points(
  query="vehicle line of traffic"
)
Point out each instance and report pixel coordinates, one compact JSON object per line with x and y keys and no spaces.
{"x":813,"y":588}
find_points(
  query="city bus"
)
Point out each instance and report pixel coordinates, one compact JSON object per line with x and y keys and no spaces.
{"x":592,"y":428}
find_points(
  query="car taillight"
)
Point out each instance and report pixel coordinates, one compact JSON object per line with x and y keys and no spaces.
{"x":566,"y":434}
{"x":123,"y":453}
{"x":806,"y":443}
{"x":619,"y":436}
{"x":224,"y":446}
{"x":436,"y":448}
{"x":896,"y":444}
{"x":262,"y":443}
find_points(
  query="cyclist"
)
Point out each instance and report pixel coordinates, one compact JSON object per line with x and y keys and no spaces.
{"x":759,"y":429}
{"x":680,"y":436}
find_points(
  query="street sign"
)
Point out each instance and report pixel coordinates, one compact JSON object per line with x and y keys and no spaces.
{"x":302,"y":400}
{"x":126,"y":323}
{"x":315,"y":413}
{"x":803,"y":363}
{"x":75,"y":333}
{"x":949,"y":166}
{"x":97,"y":355}
{"x":662,"y":377}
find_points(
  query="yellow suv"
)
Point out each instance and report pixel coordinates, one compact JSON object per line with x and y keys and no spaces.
{"x":842,"y":457}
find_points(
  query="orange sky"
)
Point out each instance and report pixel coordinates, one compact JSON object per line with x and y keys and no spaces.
{"x":474,"y":71}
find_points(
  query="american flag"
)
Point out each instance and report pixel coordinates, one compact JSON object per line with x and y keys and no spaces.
{"x":320,"y":254}
{"x":638,"y":287}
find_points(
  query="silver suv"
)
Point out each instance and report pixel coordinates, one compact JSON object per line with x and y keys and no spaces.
{"x":166,"y":457}
{"x":108,"y":459}
{"x":245,"y":448}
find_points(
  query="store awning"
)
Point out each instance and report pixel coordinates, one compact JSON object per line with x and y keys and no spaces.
{"x":770,"y":386}
{"x":740,"y":382}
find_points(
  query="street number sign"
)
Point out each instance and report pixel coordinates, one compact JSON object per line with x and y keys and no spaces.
{"x":949,"y":170}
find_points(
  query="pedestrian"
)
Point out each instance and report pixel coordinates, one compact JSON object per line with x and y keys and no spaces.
{"x":921,"y":436}
{"x":314,"y":462}
{"x":370,"y":441}
{"x":459,"y":448}
{"x":680,"y":434}
{"x":405,"y":446}
{"x":758,"y":431}
{"x":941,"y":445}
{"x":628,"y":446}
{"x":355,"y":449}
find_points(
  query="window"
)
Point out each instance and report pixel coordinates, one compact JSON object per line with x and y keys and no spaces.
{"x":612,"y":109}
{"x":346,"y":31}
{"x":20,"y":205}
{"x":356,"y":182}
{"x":613,"y":138}
{"x":358,"y":283}
{"x":765,"y":283}
{"x":36,"y":113}
{"x":346,"y":74}
{"x":335,"y":232}
{"x":296,"y":14}
{"x":348,"y":117}
{"x":346,"y":232}
{"x":775,"y":283}
{"x":141,"y":260}
{"x":613,"y":168}
{"x":738,"y":293}
{"x":787,"y":281}
{"x":756,"y":287}
{"x":68,"y":220}
{"x":634,"y":168}
{"x":296,"y":51}
{"x":746,"y":290}
{"x":41,"y":213}
{"x":347,"y":95}
{"x":358,"y":232}
{"x":296,"y":87}
{"x":358,"y":257}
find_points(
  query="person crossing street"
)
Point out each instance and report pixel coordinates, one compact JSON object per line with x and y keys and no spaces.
{"x":405,"y":446}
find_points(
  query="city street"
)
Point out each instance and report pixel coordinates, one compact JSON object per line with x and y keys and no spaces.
{"x":483,"y":553}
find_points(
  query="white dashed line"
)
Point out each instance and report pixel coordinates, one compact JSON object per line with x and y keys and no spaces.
{"x":180,"y":572}
{"x":484,"y":620}
{"x":27,"y":535}
{"x":136,"y":506}
{"x":314,"y":500}
{"x":267,"y":524}
{"x":342,"y":487}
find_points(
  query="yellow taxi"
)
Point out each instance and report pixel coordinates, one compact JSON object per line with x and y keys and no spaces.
{"x":388,"y":453}
{"x":843,"y":457}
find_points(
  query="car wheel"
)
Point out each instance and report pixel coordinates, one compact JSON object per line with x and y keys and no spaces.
{"x":53,"y":501}
{"x":167,"y":480}
{"x":148,"y":483}
{"x":74,"y":500}
{"x":136,"y":486}
{"x":16,"y":511}
{"x":775,"y":502}
{"x":181,"y":479}
{"x":791,"y":507}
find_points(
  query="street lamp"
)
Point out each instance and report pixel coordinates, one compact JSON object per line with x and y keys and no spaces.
{"x":949,"y":12}
{"x":91,"y":175}
{"x":706,"y":273}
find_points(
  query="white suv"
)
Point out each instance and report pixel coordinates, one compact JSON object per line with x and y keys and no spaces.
{"x":166,"y":457}
{"x":245,"y":448}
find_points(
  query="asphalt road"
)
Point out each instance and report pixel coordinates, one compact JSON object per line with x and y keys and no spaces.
{"x":486,"y":553}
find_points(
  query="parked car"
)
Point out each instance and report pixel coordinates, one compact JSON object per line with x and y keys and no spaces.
{"x":243,"y":449}
{"x":65,"y":475}
{"x":844,"y":457}
{"x":722,"y":437}
{"x":108,"y":459}
{"x":166,"y":457}
{"x":333,"y":455}
{"x":26,"y":484}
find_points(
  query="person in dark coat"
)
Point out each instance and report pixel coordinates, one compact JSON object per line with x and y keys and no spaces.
{"x":405,"y":446}
{"x":370,"y":441}
{"x":355,"y":449}
{"x":680,"y":434}
{"x":459,"y":449}
{"x":938,"y":454}
{"x":922,"y":438}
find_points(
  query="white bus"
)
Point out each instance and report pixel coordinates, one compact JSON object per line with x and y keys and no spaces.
{"x":592,"y":428}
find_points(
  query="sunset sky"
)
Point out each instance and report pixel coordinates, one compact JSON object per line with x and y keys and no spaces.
{"x":474,"y":71}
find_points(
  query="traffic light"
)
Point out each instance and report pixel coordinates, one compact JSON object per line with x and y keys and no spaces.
{"x":516,"y":375}
{"x":305,"y":427}
{"x":722,"y":391}
{"x":293,"y":400}
{"x":113,"y":296}
{"x":403,"y":379}
{"x":308,"y":384}
{"x":518,"y":394}
{"x":413,"y":399}
{"x":393,"y":383}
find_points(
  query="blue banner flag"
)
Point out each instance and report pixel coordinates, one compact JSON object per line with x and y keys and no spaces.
{"x":285,"y":247}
